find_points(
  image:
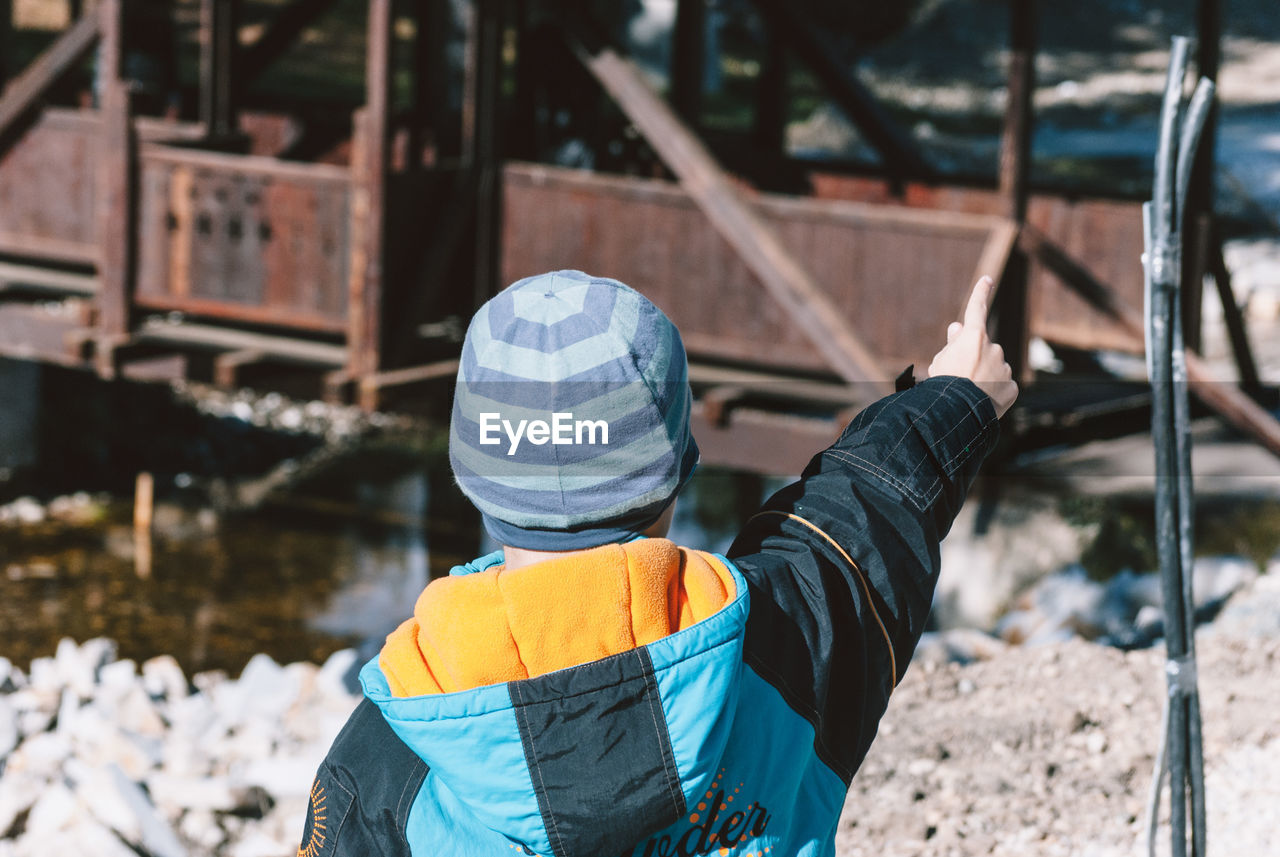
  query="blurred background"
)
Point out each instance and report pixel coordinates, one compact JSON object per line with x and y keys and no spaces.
{"x":240,"y":241}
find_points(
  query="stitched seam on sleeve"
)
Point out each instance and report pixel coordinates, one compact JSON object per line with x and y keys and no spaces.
{"x":920,"y":416}
{"x":857,"y":573}
{"x":911,"y":493}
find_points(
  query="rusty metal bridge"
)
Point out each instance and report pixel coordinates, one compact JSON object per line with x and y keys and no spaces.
{"x":177,"y":247}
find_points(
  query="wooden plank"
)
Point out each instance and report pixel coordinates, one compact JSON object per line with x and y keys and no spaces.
{"x":52,"y":279}
{"x":372,"y":386}
{"x":219,"y":67}
{"x":283,"y":348}
{"x":995,"y":253}
{"x":745,"y":231}
{"x":1228,"y":401}
{"x":226,"y":367}
{"x":370,"y":199}
{"x":899,"y":153}
{"x":23,"y":92}
{"x":1237,"y":332}
{"x":688,"y":59}
{"x":251,"y":165}
{"x":55,"y":249}
{"x":117,"y":213}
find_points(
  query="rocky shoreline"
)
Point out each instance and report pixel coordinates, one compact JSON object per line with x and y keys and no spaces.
{"x":107,"y":757}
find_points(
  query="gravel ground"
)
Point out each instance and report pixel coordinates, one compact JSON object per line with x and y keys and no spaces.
{"x":1049,"y":750}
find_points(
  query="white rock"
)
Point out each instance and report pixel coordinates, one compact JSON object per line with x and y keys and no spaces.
{"x":40,"y":755}
{"x":24,"y":510}
{"x":282,"y":776}
{"x":44,"y":675}
{"x":195,"y":793}
{"x":200,"y":828}
{"x":155,"y":834}
{"x":163,"y":678}
{"x":78,"y":666}
{"x":96,"y":788}
{"x":17,"y":792}
{"x":11,"y":678}
{"x":84,"y":836}
{"x":258,"y":844}
{"x":137,"y":712}
{"x":68,"y":710}
{"x":54,"y":810}
{"x":8,"y":729}
{"x":331,"y":679}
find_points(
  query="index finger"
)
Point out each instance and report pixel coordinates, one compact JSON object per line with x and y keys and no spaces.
{"x":976,"y":311}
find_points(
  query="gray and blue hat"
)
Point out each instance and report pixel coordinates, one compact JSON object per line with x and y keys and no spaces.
{"x":570,"y":424}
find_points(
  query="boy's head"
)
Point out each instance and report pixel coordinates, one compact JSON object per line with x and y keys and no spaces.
{"x":570,"y":424}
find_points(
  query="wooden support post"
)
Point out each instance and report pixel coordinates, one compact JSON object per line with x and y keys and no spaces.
{"x":769,"y":128}
{"x":370,"y":160}
{"x":143,"y":505}
{"x":899,"y":153}
{"x":714,"y":193}
{"x":226,"y":366}
{"x":1237,"y":332}
{"x":486,"y":71}
{"x":116,"y":198}
{"x":1015,"y":164}
{"x":219,"y":66}
{"x":7,"y":66}
{"x":688,"y":60}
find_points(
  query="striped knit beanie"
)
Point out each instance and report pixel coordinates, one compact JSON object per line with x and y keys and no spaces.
{"x":570,"y":424}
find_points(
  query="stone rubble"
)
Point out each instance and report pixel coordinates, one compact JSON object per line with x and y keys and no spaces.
{"x":100,"y":756}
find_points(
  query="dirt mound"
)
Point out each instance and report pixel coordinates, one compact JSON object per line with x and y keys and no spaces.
{"x":1049,"y":750}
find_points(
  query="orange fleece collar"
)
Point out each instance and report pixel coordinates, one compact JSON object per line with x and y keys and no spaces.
{"x":495,"y":626}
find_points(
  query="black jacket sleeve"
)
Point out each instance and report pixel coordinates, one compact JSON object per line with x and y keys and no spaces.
{"x":363,"y":792}
{"x":841,"y":565}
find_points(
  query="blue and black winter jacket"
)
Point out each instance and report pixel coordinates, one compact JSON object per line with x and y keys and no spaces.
{"x":737,"y":733}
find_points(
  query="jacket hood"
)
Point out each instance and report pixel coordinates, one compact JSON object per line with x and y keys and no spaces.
{"x":574,"y":707}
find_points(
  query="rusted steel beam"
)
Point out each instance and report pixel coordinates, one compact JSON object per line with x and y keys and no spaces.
{"x":284,"y":29}
{"x":117,"y":219}
{"x":1228,"y":401}
{"x":714,"y":193}
{"x":25,"y":90}
{"x":283,"y":348}
{"x":688,"y":59}
{"x":219,"y":66}
{"x":369,"y":199}
{"x":899,"y":153}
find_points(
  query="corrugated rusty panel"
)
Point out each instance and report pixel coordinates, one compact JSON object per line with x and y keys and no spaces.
{"x":244,"y":238}
{"x":1105,"y":236}
{"x":48,"y":183}
{"x":900,"y":274}
{"x":47,"y":189}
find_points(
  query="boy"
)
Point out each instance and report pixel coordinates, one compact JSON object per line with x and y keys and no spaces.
{"x":592,"y":688}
